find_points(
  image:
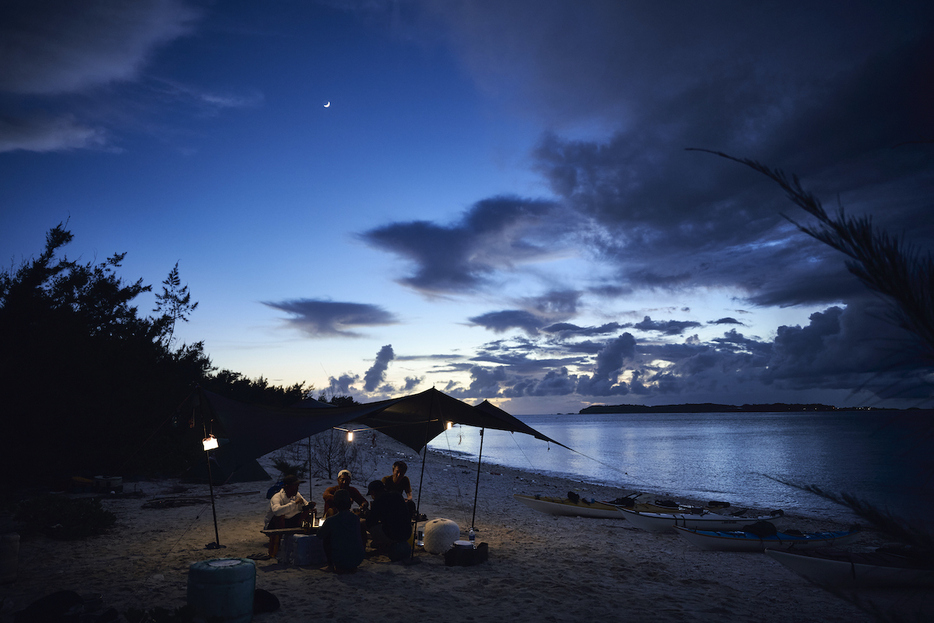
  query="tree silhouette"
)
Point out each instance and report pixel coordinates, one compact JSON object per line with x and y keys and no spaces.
{"x":86,"y":379}
{"x":174,"y":303}
{"x":91,"y":386}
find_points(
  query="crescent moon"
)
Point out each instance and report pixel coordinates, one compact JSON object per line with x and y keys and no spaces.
{"x":327,"y":105}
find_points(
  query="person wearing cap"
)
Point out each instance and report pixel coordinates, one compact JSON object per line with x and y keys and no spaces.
{"x":287,"y":506}
{"x":341,"y":535}
{"x":343,"y":483}
{"x":389,"y":521}
{"x":398,"y":481}
{"x":287,"y":509}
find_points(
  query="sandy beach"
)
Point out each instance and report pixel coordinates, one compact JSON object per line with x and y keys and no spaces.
{"x":540,"y":567}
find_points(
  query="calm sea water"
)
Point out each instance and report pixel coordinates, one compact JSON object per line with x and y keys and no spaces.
{"x":886,"y":458}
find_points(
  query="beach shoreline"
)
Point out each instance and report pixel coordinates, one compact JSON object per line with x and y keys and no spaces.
{"x":540,"y":567}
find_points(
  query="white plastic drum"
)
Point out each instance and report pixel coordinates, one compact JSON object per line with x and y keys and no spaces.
{"x":223,"y":587}
{"x":440,"y":535}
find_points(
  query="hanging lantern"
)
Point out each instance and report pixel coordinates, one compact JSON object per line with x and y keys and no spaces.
{"x":209,"y":443}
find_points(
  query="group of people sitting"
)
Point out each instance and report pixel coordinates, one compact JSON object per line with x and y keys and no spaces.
{"x":386,"y":521}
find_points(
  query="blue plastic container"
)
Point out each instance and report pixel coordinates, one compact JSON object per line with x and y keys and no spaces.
{"x":223,"y":587}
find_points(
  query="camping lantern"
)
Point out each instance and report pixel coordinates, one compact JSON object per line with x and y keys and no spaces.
{"x":350,"y":435}
{"x":209,"y":443}
{"x":449,"y":425}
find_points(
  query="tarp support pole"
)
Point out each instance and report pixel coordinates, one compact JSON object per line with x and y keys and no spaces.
{"x":311,"y":493}
{"x":202,"y":403}
{"x":477,"y":488}
{"x":421,"y":480}
{"x":217,"y":538}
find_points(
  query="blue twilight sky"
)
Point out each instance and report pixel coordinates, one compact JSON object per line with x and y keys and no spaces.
{"x":497,"y":202}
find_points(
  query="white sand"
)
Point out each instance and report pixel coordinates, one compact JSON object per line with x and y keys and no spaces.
{"x":540,"y":568}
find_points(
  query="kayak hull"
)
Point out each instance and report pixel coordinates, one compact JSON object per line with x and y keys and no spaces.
{"x":856,"y":570}
{"x":659,"y":522}
{"x":582,"y":508}
{"x":736,"y":541}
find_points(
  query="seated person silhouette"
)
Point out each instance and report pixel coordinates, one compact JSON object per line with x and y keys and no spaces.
{"x":398,"y":481}
{"x":389,"y":521}
{"x":341,"y":535}
{"x":343,"y":483}
{"x":287,"y":509}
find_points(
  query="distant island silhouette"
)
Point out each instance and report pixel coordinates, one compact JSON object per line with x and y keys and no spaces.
{"x":709,"y":407}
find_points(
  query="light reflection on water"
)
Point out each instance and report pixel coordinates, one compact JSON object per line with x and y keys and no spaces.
{"x":727,"y":456}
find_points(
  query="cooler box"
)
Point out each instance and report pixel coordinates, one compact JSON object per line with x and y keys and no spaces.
{"x":466,"y":556}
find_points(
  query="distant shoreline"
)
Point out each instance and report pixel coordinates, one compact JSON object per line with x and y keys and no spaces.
{"x":708,"y":407}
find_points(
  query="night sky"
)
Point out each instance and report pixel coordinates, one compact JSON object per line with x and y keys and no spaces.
{"x":493,"y":198}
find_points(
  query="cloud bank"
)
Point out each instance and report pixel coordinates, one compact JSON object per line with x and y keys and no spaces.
{"x":319,"y":318}
{"x":832,"y":94}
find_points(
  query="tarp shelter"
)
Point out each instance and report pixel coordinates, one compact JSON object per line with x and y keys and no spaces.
{"x":247,"y":432}
{"x":417,"y":419}
{"x":413,"y":420}
{"x":253,"y":431}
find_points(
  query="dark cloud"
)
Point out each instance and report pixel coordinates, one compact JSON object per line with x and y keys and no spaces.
{"x":848,"y":348}
{"x":486,"y":381}
{"x":495,"y":234}
{"x":726,"y":320}
{"x":342,"y":385}
{"x":43,"y":133}
{"x":609,"y":366}
{"x":832,"y":352}
{"x":667,"y":327}
{"x":519,"y":363}
{"x":51,"y":48}
{"x":436,"y":356}
{"x":588,"y":347}
{"x":539,"y":311}
{"x":57,"y":46}
{"x":852,"y":349}
{"x":610,"y":290}
{"x":679,"y":237}
{"x":786,"y":85}
{"x":377,"y":372}
{"x":630,"y":56}
{"x":834,"y":94}
{"x":566,"y":329}
{"x":502,"y":321}
{"x":560,"y":303}
{"x":676,"y":223}
{"x":557,"y":382}
{"x":822,"y":91}
{"x":318,"y":318}
{"x":734,"y":341}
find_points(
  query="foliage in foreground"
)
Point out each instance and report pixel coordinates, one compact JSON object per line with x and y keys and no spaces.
{"x":882,"y":520}
{"x":85,"y":377}
{"x":237,"y":387}
{"x":895,"y":527}
{"x":90,"y":385}
{"x":63,"y":518}
{"x":884,"y":263}
{"x":887,"y":266}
